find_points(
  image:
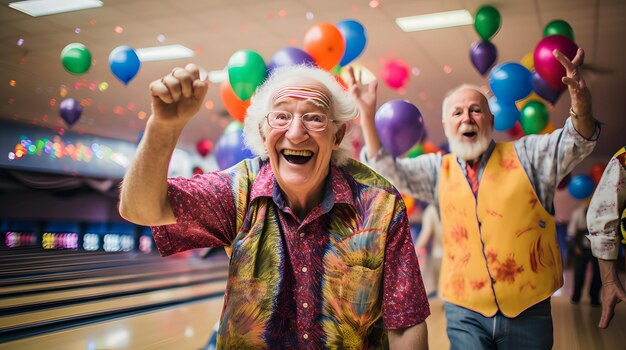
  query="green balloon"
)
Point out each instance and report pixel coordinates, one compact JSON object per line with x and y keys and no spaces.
{"x":534,"y":117}
{"x":76,"y":58}
{"x":559,"y":27}
{"x":487,"y":22}
{"x":415,"y":151}
{"x":246,"y":71}
{"x":336,"y":70}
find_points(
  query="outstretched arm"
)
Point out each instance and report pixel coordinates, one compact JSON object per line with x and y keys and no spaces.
{"x":176,"y":98}
{"x":580,"y":95}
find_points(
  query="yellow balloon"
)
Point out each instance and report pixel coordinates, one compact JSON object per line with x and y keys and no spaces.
{"x":532,"y":97}
{"x":528,"y":61}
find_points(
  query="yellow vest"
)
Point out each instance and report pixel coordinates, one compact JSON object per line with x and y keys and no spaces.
{"x":500,"y":248}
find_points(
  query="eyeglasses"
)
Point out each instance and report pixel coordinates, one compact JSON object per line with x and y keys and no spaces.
{"x":280,"y":120}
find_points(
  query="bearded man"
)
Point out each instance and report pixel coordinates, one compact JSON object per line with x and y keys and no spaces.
{"x":501,"y":259}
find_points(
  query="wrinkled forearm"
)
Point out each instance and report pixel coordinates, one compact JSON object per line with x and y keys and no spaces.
{"x":143,"y":198}
{"x":415,"y":337}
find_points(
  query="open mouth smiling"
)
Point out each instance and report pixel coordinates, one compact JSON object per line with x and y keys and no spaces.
{"x":297,"y":156}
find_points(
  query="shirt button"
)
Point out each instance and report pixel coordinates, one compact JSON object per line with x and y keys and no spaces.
{"x":305,"y":336}
{"x":305,"y":305}
{"x":301,"y":234}
{"x":304,"y":269}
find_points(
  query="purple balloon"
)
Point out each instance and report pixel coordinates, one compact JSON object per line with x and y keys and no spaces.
{"x":290,"y":56}
{"x":544,"y":90}
{"x":400,"y":125}
{"x":230,"y":150}
{"x":70,"y":110}
{"x":483,"y":55}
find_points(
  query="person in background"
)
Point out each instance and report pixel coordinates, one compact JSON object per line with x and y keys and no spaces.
{"x":606,"y":220}
{"x":320,"y":249}
{"x":501,"y":259}
{"x":430,"y":236}
{"x":581,"y":252}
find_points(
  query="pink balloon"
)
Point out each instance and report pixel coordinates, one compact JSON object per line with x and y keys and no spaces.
{"x":396,"y":74}
{"x":547,"y":65}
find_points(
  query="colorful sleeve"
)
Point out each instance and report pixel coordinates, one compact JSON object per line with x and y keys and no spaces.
{"x":605,"y":209}
{"x":205,"y":208}
{"x":405,"y":303}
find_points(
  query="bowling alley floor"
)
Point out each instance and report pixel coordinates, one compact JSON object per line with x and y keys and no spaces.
{"x":190,"y":325}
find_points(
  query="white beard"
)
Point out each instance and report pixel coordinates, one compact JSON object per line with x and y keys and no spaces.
{"x":468,"y":150}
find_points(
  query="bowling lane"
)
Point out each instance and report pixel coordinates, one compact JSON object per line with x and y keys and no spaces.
{"x":184,"y":327}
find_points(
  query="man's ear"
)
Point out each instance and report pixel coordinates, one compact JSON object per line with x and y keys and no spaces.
{"x":340,"y":134}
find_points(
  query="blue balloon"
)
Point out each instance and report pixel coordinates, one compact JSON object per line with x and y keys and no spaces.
{"x":288,"y":57}
{"x":353,"y":34}
{"x":505,"y":114}
{"x":581,"y":186}
{"x":510,"y":82}
{"x":230,"y":150}
{"x":124,"y":63}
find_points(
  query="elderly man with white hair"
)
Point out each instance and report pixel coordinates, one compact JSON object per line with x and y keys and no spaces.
{"x":501,"y":259}
{"x":320,"y":249}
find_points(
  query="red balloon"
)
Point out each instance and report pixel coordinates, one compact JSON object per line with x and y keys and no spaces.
{"x":204,"y":147}
{"x":546,"y":64}
{"x":596,"y":172}
{"x":233,"y":104}
{"x":198,"y":171}
{"x":325,"y":44}
{"x":516,"y":131}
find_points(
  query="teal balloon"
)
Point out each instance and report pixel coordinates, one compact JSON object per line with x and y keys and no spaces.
{"x":534,"y":117}
{"x":76,"y":58}
{"x":246,"y":71}
{"x":559,"y":27}
{"x":487,"y":22}
{"x":124,"y":63}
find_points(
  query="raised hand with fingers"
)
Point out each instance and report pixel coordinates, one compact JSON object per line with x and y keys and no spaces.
{"x":366,"y":102}
{"x":580,"y":95}
{"x":365,"y":95}
{"x":178,"y":96}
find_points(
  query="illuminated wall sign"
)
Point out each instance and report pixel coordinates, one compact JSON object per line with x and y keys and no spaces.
{"x":38,"y":149}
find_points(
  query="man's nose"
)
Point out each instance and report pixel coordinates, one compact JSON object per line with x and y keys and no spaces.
{"x":467,"y":117}
{"x":296,"y":131}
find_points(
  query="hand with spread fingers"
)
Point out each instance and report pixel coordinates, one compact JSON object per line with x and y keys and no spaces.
{"x":580,"y":95}
{"x":178,"y":96}
{"x":365,"y":97}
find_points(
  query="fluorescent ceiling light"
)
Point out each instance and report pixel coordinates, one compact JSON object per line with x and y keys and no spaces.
{"x":435,"y":21}
{"x":161,"y":53}
{"x":38,"y":8}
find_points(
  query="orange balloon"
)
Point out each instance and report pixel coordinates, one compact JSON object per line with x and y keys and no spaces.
{"x":409,"y":202}
{"x":548,"y":129}
{"x":234,"y":105}
{"x":325,"y":44}
{"x":429,"y":147}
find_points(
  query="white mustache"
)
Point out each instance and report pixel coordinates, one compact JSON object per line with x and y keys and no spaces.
{"x":468,"y":128}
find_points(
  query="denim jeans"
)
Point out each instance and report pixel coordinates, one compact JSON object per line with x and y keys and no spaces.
{"x":469,"y":330}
